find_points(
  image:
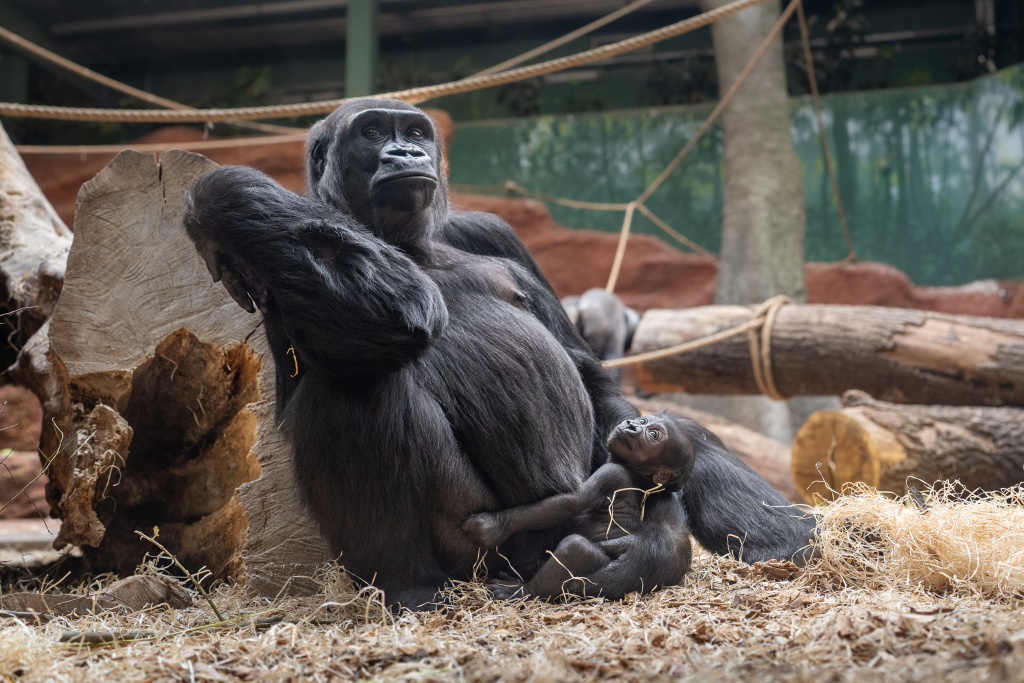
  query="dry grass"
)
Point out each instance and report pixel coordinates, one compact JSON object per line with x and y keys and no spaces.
{"x":873,"y":608}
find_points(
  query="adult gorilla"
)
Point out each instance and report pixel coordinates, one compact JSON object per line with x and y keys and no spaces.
{"x":438,"y":375}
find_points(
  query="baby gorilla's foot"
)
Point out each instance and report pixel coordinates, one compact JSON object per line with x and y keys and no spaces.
{"x":504,"y":591}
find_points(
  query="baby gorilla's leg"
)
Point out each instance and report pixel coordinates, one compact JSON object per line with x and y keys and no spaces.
{"x":574,"y":559}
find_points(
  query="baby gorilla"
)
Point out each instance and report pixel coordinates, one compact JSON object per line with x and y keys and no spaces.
{"x":629,"y":531}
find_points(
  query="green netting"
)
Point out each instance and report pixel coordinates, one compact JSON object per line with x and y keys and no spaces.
{"x":931,"y":177}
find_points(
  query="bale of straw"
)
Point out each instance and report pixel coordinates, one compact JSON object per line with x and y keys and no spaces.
{"x":884,"y":445}
{"x":942,"y":539}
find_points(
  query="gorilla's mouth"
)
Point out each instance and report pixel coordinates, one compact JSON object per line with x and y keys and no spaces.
{"x":621,"y":442}
{"x":407,"y":176}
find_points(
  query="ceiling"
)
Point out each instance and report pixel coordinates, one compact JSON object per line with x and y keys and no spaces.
{"x":93,"y":32}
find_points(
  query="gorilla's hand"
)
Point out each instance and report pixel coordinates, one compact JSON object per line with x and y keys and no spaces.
{"x":244,"y":285}
{"x":485,"y":529}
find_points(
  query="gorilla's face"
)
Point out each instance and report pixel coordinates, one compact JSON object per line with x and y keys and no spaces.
{"x":380,"y":163}
{"x":653,"y":446}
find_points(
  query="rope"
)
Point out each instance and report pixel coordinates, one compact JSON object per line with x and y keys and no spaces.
{"x":512,"y":186}
{"x":194,"y":145}
{"x":42,"y":53}
{"x":761,"y":346}
{"x":851,"y":255}
{"x":759,"y":330}
{"x":411,"y":95}
{"x":568,"y":37}
{"x":652,"y":217}
{"x":620,"y":251}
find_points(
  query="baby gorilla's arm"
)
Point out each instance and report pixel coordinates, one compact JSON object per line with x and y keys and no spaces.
{"x":492,"y":528}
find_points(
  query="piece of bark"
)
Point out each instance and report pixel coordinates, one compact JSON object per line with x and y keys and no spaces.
{"x":898,"y":355}
{"x":766,"y":456}
{"x":158,"y":395}
{"x":34,"y":246}
{"x":892,"y":446}
{"x":131,"y":594}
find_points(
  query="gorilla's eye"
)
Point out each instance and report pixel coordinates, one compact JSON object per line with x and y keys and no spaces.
{"x":655,"y":433}
{"x":643,"y":420}
{"x":415,"y":133}
{"x":372,"y":133}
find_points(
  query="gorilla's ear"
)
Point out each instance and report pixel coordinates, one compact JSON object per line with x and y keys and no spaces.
{"x":317,"y":160}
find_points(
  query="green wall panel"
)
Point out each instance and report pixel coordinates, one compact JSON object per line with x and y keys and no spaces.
{"x":932,"y":178}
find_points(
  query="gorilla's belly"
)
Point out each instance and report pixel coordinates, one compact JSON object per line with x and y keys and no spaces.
{"x":515,"y":402}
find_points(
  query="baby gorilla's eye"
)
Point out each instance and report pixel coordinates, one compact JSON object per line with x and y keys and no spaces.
{"x":414,"y":134}
{"x":643,"y":420}
{"x":655,"y":433}
{"x":372,"y":133}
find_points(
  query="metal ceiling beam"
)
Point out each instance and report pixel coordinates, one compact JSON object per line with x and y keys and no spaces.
{"x":456,"y":15}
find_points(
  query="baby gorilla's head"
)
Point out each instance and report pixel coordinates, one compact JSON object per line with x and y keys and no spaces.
{"x":659,"y":447}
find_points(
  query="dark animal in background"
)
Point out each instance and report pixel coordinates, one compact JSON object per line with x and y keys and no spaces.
{"x":604,"y":321}
{"x":629,"y":531}
{"x":438,"y":375}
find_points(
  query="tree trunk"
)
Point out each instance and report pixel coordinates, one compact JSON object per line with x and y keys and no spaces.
{"x":34,"y":246}
{"x":767,"y":457}
{"x":899,"y":355}
{"x":892,"y":446}
{"x":763,"y":216}
{"x":159,"y":395}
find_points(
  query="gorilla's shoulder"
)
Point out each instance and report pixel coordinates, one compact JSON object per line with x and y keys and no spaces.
{"x":483,"y":234}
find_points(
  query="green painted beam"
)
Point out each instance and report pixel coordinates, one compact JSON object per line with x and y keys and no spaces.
{"x":361,"y":49}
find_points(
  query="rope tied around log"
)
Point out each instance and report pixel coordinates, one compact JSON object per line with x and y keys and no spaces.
{"x":759,"y":331}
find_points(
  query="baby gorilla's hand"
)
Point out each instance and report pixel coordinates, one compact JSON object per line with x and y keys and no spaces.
{"x":484,"y":529}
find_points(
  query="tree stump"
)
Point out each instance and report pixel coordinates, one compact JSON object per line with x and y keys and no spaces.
{"x":159,"y":389}
{"x":898,"y":355}
{"x":892,"y":446}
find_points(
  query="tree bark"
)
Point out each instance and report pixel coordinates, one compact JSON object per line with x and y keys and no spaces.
{"x":898,"y":355}
{"x":159,"y":395}
{"x":34,"y":245}
{"x":763,"y":213}
{"x":766,"y":456}
{"x":893,"y":446}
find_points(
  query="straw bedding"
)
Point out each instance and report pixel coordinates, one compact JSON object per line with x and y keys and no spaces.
{"x":902,"y":592}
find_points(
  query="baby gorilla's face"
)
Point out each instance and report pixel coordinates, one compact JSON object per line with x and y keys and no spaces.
{"x":653,"y":446}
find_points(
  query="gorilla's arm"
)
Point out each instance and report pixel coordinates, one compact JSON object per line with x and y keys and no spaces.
{"x":733,"y":510}
{"x":492,"y":528}
{"x":488,"y":235}
{"x":349,"y":303}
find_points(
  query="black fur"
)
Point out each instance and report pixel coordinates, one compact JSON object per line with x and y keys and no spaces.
{"x":438,"y":374}
{"x":629,"y":531}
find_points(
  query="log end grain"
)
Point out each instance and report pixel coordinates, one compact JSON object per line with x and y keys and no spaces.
{"x":837,"y":448}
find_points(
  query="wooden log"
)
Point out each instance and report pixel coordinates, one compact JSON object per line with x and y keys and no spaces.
{"x":891,"y":446}
{"x":159,"y":391}
{"x":34,"y":245}
{"x":767,"y":457}
{"x":902,"y":356}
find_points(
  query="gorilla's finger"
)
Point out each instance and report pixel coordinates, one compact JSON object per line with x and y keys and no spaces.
{"x":236,"y":288}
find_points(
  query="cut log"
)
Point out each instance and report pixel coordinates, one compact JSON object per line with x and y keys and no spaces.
{"x":892,"y":446}
{"x":897,"y":355}
{"x":766,"y":456}
{"x":159,"y":395}
{"x":34,"y":246}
